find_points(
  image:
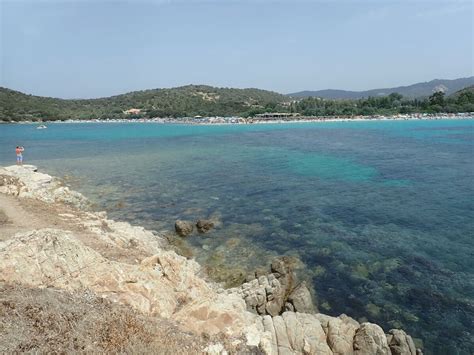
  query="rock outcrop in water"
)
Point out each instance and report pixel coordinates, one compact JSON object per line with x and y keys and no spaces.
{"x":273,"y":313}
{"x":276,"y":292}
{"x":183,"y":228}
{"x":204,"y":225}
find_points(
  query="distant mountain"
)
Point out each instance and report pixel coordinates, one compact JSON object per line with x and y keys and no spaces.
{"x":412,"y":91}
{"x":466,"y":91}
{"x":190,"y":100}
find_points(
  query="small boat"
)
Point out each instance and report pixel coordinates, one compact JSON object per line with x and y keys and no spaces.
{"x":41,"y":127}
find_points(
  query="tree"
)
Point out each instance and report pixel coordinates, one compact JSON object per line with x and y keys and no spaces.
{"x":437,"y":98}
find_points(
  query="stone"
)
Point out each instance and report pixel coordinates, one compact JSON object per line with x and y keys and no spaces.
{"x":183,"y":228}
{"x":301,"y":299}
{"x":274,"y":306}
{"x":204,"y":225}
{"x":279,"y":267}
{"x":215,"y":349}
{"x":400,"y":343}
{"x":269,"y":328}
{"x":314,"y":337}
{"x":281,"y":335}
{"x":250,"y":277}
{"x":370,"y":340}
{"x":294,"y":330}
{"x":340,"y":334}
{"x":295,"y":333}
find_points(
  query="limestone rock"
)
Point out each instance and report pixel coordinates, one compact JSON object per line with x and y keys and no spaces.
{"x":273,"y":293}
{"x":370,"y":340}
{"x":296,"y":333}
{"x":165,"y":284}
{"x":30,"y":183}
{"x":400,"y":343}
{"x":340,"y":333}
{"x":301,"y":299}
{"x":183,"y":228}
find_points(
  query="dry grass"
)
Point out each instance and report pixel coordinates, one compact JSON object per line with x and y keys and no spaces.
{"x":54,"y":321}
{"x":58,"y":322}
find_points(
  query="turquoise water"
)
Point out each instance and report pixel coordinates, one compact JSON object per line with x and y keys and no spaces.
{"x":380,"y":214}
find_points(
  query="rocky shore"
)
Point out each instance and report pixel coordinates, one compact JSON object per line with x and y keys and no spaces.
{"x":59,"y":246}
{"x":256,"y":120}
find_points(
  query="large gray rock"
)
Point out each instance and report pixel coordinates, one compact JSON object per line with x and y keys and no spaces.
{"x":183,"y":228}
{"x":276,"y":293}
{"x":301,"y":299}
{"x":370,"y":340}
{"x":283,"y":341}
{"x":400,"y":343}
{"x":340,"y":333}
{"x":296,"y":333}
{"x":280,"y":266}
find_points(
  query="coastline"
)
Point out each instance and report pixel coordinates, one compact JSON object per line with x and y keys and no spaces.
{"x":136,"y":268}
{"x":255,"y":121}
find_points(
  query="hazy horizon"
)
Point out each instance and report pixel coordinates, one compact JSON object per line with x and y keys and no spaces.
{"x":84,"y":49}
{"x":198,"y":84}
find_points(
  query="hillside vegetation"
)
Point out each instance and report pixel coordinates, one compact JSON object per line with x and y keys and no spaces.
{"x":190,"y":101}
{"x":461,"y":101}
{"x":183,"y":101}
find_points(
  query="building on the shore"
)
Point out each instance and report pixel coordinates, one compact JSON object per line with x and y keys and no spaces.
{"x":132,"y":111}
{"x":276,"y":115}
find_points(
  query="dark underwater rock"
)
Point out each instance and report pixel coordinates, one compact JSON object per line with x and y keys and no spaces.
{"x":183,"y":228}
{"x":204,"y":225}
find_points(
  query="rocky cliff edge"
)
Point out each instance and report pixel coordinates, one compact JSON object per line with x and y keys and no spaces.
{"x":134,"y":267}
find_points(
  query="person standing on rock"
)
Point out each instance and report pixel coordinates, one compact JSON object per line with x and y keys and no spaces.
{"x":19,"y":155}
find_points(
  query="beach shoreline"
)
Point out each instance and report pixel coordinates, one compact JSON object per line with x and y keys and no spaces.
{"x":256,"y":121}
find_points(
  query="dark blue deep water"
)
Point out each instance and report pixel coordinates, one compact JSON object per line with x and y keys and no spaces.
{"x":380,"y":214}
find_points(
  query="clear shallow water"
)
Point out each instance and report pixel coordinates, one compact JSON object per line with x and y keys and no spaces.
{"x":381,"y":214}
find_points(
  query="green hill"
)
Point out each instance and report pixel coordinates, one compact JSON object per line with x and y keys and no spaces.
{"x":467,"y":93}
{"x":183,"y":101}
{"x":193,"y":100}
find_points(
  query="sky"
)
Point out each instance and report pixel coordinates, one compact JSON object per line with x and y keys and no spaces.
{"x":86,"y":48}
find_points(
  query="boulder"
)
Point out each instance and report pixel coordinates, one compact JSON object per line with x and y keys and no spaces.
{"x":183,"y":228}
{"x":280,"y":266}
{"x":400,"y":343}
{"x":295,"y":333}
{"x":340,"y":333}
{"x":301,"y":299}
{"x":273,"y":293}
{"x":370,"y":340}
{"x":204,"y":225}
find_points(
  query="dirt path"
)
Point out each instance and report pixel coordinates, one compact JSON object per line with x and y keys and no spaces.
{"x":15,"y":218}
{"x":25,"y":214}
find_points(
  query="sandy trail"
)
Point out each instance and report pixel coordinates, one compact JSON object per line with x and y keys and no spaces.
{"x":25,"y":214}
{"x":15,"y":218}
